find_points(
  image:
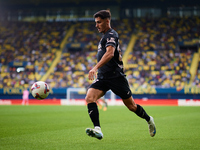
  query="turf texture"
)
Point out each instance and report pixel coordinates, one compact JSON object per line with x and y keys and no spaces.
{"x":63,"y":128}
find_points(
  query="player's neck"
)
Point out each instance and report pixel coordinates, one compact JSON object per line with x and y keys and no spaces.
{"x":106,"y":30}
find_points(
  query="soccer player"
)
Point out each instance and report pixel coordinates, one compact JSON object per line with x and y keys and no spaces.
{"x":104,"y":104}
{"x":25,"y":97}
{"x":110,"y":76}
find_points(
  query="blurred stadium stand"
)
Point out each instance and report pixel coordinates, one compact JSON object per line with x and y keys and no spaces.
{"x":56,"y":42}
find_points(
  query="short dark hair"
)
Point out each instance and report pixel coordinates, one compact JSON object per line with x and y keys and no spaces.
{"x":103,"y":14}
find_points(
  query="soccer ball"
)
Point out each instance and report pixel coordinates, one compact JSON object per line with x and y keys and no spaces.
{"x":40,"y":90}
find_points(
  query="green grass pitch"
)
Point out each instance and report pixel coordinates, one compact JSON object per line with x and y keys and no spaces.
{"x":63,"y":128}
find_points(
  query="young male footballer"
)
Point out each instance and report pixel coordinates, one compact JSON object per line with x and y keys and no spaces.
{"x":110,"y":76}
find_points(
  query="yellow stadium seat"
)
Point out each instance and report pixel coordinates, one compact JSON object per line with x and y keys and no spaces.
{"x":136,"y":73}
{"x":52,"y":84}
{"x":146,"y":67}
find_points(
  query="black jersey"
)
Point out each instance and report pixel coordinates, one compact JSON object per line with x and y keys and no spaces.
{"x":113,"y":68}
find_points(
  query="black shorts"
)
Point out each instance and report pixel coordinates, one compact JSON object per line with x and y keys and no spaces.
{"x":118,"y":85}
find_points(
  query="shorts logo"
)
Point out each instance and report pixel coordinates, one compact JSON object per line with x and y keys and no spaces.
{"x":96,"y":80}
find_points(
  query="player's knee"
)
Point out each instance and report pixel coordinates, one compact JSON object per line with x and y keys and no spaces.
{"x":90,"y":99}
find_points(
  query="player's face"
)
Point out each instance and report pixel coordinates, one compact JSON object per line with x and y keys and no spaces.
{"x":102,"y":24}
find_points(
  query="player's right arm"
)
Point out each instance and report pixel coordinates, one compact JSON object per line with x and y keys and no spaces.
{"x":109,"y":54}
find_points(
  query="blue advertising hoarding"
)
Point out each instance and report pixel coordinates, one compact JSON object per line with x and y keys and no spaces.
{"x":156,"y":93}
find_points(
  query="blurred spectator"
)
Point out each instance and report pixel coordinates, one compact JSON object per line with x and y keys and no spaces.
{"x":25,"y":97}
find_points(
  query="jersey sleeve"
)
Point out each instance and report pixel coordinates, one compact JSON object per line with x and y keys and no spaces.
{"x":111,"y":40}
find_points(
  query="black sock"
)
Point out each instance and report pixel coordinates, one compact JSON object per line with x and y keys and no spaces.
{"x":141,"y":113}
{"x":93,"y":113}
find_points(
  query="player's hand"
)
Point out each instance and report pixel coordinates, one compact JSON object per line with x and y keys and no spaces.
{"x":92,"y":74}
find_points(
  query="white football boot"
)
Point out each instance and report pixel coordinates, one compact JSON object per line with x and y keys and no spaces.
{"x":152,"y":127}
{"x":96,"y":132}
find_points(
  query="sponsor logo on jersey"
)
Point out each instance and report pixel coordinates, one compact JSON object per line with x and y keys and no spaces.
{"x":112,"y":40}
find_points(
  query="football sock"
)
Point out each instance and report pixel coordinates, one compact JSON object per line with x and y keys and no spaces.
{"x":141,"y":113}
{"x":93,"y":113}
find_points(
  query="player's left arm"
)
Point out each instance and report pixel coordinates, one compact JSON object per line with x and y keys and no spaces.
{"x":110,"y":50}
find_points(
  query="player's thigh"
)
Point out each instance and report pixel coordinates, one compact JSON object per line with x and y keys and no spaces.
{"x":93,"y":95}
{"x":120,"y":87}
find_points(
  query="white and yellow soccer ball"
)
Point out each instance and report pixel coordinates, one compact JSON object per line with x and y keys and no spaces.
{"x":40,"y":90}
